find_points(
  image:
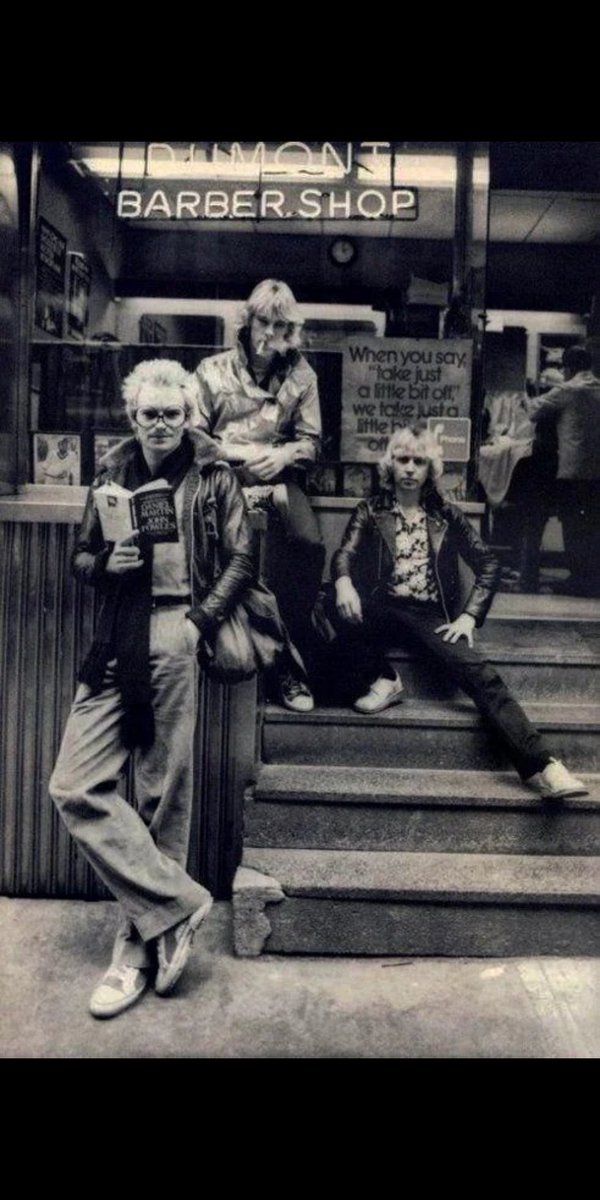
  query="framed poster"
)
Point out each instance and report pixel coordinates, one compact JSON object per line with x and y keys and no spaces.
{"x":103,"y":442}
{"x":358,"y":479}
{"x":56,"y":458}
{"x":51,"y":256}
{"x":322,"y":479}
{"x":80,"y":276}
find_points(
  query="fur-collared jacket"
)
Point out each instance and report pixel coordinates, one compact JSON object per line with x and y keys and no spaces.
{"x":367,"y":553}
{"x":209,"y":486}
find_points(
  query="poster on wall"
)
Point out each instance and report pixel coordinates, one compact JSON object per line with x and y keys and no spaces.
{"x":56,"y":458}
{"x":103,"y":442}
{"x":392,"y":383}
{"x":80,"y":277}
{"x":51,"y":255}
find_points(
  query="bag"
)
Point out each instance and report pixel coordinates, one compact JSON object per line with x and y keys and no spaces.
{"x":231,"y":656}
{"x":252,"y":637}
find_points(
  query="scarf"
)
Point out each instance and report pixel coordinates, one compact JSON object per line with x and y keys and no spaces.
{"x":131,"y":628}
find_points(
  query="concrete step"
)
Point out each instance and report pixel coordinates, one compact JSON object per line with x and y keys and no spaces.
{"x":566,"y":677}
{"x":519,"y":608}
{"x":379,"y":808}
{"x":423,"y":733}
{"x":537,"y":659}
{"x":373,"y":903}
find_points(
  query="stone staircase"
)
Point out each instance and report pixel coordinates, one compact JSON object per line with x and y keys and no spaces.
{"x":406,"y":833}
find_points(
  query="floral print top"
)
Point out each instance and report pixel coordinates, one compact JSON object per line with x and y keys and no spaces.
{"x":413,"y":570}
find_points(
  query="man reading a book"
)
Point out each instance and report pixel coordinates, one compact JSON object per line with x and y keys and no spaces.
{"x":139,"y":683}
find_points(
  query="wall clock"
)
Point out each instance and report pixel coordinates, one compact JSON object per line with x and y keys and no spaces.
{"x":342,"y":251}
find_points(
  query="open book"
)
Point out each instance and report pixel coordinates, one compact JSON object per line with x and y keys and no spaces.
{"x":150,"y":509}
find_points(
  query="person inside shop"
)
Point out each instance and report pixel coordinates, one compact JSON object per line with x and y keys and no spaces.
{"x":573,"y":406}
{"x":396,"y":578}
{"x":260,"y":402}
{"x":138,"y":689}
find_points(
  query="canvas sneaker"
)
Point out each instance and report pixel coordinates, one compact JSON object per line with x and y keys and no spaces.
{"x":119,"y":988}
{"x":174,"y":947}
{"x":381,"y":694}
{"x":295,"y":694}
{"x":556,"y":783}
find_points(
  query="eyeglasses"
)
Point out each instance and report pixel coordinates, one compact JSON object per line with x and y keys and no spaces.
{"x":407,"y":458}
{"x":147,"y":417}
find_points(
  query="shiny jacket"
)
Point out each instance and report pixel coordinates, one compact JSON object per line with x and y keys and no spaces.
{"x":212,"y":600}
{"x":235,"y":410}
{"x":367,"y":553}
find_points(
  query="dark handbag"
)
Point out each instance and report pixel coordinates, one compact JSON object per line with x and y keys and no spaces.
{"x":252,"y":636}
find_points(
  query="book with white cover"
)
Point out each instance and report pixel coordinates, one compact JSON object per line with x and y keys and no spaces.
{"x":150,"y":510}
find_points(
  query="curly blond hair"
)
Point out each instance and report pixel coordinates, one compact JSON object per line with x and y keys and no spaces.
{"x":414,"y":439}
{"x":160,"y":372}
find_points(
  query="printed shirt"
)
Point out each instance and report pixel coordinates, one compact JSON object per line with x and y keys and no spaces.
{"x":413,"y":570}
{"x":170,"y":570}
{"x":235,"y":409}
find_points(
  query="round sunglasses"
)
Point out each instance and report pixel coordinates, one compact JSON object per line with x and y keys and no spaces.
{"x":147,"y":417}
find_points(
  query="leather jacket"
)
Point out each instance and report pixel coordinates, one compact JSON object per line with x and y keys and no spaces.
{"x":212,"y":599}
{"x":367,"y":553}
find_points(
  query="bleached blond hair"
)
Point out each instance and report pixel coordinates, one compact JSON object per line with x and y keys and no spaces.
{"x":413,"y":439}
{"x":274,"y":300}
{"x":161,"y":372}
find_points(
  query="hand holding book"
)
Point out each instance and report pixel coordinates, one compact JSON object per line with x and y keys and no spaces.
{"x":149,"y":510}
{"x":125,"y":556}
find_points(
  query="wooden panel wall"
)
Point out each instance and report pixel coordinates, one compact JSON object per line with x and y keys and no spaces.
{"x":46,"y":625}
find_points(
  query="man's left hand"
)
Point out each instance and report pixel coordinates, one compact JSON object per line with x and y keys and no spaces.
{"x":269,"y":462}
{"x":463,"y":626}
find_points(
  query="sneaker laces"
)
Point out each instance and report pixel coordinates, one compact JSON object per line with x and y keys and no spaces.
{"x":292,"y":686}
{"x":124,"y":974}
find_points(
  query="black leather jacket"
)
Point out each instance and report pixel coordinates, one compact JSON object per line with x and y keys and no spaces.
{"x":367,"y":553}
{"x":212,"y":600}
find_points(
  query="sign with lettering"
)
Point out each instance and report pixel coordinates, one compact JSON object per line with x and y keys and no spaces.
{"x":392,"y":382}
{"x":454,"y":435}
{"x":252,"y":181}
{"x":288,"y":201}
{"x":51,"y":257}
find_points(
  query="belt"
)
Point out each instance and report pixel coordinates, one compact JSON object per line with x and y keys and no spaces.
{"x":164,"y":601}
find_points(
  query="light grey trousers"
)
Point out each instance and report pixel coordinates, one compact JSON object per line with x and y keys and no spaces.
{"x":140,"y":855}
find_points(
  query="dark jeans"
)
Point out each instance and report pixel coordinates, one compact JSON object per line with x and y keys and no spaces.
{"x":579,"y":513}
{"x":294,"y":561}
{"x":388,"y":621}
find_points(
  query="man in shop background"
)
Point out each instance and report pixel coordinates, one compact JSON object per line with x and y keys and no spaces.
{"x":139,"y":683}
{"x":396,"y":578}
{"x":260,"y":402}
{"x":573,"y":406}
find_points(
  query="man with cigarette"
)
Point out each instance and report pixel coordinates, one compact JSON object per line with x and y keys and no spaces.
{"x":260,"y":402}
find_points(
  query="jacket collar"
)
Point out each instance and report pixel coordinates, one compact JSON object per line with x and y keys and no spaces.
{"x":205,"y":451}
{"x":437,"y":523}
{"x":431,"y":501}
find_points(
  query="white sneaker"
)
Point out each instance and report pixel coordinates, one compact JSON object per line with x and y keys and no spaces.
{"x":381,"y":694}
{"x":556,"y":783}
{"x":119,"y":988}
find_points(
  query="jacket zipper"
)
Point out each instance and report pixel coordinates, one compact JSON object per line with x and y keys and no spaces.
{"x":192,"y":554}
{"x":437,"y":576}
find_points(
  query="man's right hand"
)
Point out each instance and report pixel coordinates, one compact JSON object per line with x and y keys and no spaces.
{"x":347,"y":600}
{"x":125,"y":556}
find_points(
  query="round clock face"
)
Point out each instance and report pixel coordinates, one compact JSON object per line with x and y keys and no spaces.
{"x":342,"y":251}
